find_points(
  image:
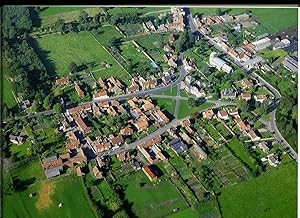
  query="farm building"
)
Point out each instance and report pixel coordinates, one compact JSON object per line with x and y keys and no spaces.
{"x":218,"y":63}
{"x":290,"y":63}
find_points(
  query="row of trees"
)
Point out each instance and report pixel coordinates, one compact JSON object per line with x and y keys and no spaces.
{"x":185,"y":41}
{"x":129,"y":18}
{"x":84,"y":23}
{"x":31,"y":80}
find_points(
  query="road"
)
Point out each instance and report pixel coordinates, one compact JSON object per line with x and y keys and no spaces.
{"x":274,"y":91}
{"x":160,"y":131}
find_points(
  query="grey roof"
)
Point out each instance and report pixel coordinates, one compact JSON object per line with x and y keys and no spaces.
{"x":200,"y":150}
{"x":53,"y":172}
{"x":178,"y":146}
{"x":217,"y":62}
{"x":49,"y":159}
{"x":290,"y":66}
{"x":292,"y":59}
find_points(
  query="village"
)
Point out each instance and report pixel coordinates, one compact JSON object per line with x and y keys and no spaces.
{"x":192,"y":117}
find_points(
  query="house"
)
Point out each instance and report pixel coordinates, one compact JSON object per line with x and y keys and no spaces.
{"x":18,"y":140}
{"x":242,"y":126}
{"x":208,"y":114}
{"x":101,"y":83}
{"x":218,"y":63}
{"x":145,"y":85}
{"x":73,"y":144}
{"x":233,"y":53}
{"x":185,"y":137}
{"x":123,"y":156}
{"x":185,"y":123}
{"x":226,"y":18}
{"x":100,"y":95}
{"x":62,"y":81}
{"x":116,"y":140}
{"x":263,"y":146}
{"x":102,"y":147}
{"x":168,"y":48}
{"x":228,"y":94}
{"x":243,"y":56}
{"x":81,"y":124}
{"x":199,"y":151}
{"x":242,"y":17}
{"x":97,"y":173}
{"x":253,"y":135}
{"x":222,"y":114}
{"x":290,"y":63}
{"x":159,"y":116}
{"x":233,"y":112}
{"x":133,"y":88}
{"x":245,"y":96}
{"x":178,"y":146}
{"x":137,"y":165}
{"x":151,"y":176}
{"x":260,"y":98}
{"x":247,"y":83}
{"x":79,"y":172}
{"x":148,"y":106}
{"x":141,"y":125}
{"x":172,"y":63}
{"x":126,"y":131}
{"x":78,"y":90}
{"x":171,"y":38}
{"x":282,"y":44}
{"x":153,"y":83}
{"x":262,"y":43}
{"x":52,"y":166}
{"x":273,"y":160}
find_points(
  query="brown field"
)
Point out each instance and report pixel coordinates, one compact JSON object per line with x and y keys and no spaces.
{"x":46,"y":189}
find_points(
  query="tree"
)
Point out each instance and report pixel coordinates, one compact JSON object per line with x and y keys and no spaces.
{"x":73,"y":67}
{"x":192,"y":102}
{"x":58,"y":108}
{"x":8,"y":186}
{"x":265,"y":107}
{"x":243,"y":105}
{"x":218,"y":11}
{"x":121,"y":214}
{"x":60,"y":25}
{"x":57,"y":92}
{"x":47,"y":103}
{"x":179,"y":46}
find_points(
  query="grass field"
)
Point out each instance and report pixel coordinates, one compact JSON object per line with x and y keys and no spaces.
{"x":166,"y":104}
{"x":106,"y":34}
{"x":51,"y":14}
{"x":272,"y":19}
{"x":129,"y":52}
{"x":49,"y":193}
{"x":7,"y":96}
{"x":273,"y":194}
{"x":184,"y":213}
{"x":185,"y":109}
{"x":171,"y":92}
{"x":240,"y":152}
{"x":214,"y":133}
{"x":21,"y":150}
{"x":142,"y":10}
{"x":59,"y":50}
{"x":159,"y":199}
{"x":272,"y":55}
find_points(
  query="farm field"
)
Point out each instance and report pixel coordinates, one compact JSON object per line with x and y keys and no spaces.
{"x":240,"y":152}
{"x":106,"y":33}
{"x":142,"y":10}
{"x":163,"y":196}
{"x":51,"y":14}
{"x":274,"y":200}
{"x":49,"y":193}
{"x":184,"y":213}
{"x":185,"y":109}
{"x":59,"y":50}
{"x":266,"y":16}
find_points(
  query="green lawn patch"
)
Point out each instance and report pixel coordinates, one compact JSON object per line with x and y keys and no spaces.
{"x":21,"y":150}
{"x":171,"y":92}
{"x":272,"y":55}
{"x":129,"y":52}
{"x":106,"y":33}
{"x":185,"y":109}
{"x":158,"y":199}
{"x":263,"y":196}
{"x":214,"y":133}
{"x":8,"y":97}
{"x":47,"y":11}
{"x":184,"y":213}
{"x":165,"y":104}
{"x":59,"y":50}
{"x":142,"y":10}
{"x":239,"y":150}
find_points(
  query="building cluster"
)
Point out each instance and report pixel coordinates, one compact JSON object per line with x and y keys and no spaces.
{"x":291,"y":63}
{"x":219,"y":63}
{"x":177,"y":22}
{"x":193,"y":86}
{"x":170,"y":56}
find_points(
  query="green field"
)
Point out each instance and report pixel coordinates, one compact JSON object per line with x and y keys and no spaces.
{"x":273,"y":194}
{"x":170,"y":92}
{"x":21,"y":150}
{"x":129,"y":52}
{"x":166,"y":104}
{"x":106,"y":33}
{"x":273,"y":55}
{"x":214,"y":133}
{"x":272,"y":19}
{"x":59,"y":50}
{"x":152,"y":200}
{"x":8,"y":97}
{"x":142,"y":10}
{"x":68,"y":190}
{"x":186,"y":110}
{"x":47,"y":11}
{"x":241,"y":153}
{"x":184,"y":213}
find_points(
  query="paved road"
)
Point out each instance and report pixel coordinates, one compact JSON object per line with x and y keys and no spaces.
{"x":31,"y":115}
{"x":160,"y":131}
{"x":274,"y":91}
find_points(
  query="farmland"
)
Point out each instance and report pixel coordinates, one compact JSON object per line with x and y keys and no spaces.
{"x":163,"y":196}
{"x":106,"y":32}
{"x":45,"y":204}
{"x":58,"y":51}
{"x":130,"y":53}
{"x":47,"y":11}
{"x":8,"y":97}
{"x":276,"y":192}
{"x":142,"y":10}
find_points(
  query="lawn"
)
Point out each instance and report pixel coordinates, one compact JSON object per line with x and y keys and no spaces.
{"x":59,"y":50}
{"x":184,"y":213}
{"x":68,"y":190}
{"x":160,"y":198}
{"x":171,"y":92}
{"x":240,"y":152}
{"x":8,"y":97}
{"x":272,"y":55}
{"x":106,"y":33}
{"x":130,"y":53}
{"x":165,"y":104}
{"x":69,"y":14}
{"x":272,"y":19}
{"x":21,"y":150}
{"x":142,"y":10}
{"x":185,"y":109}
{"x":273,"y":194}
